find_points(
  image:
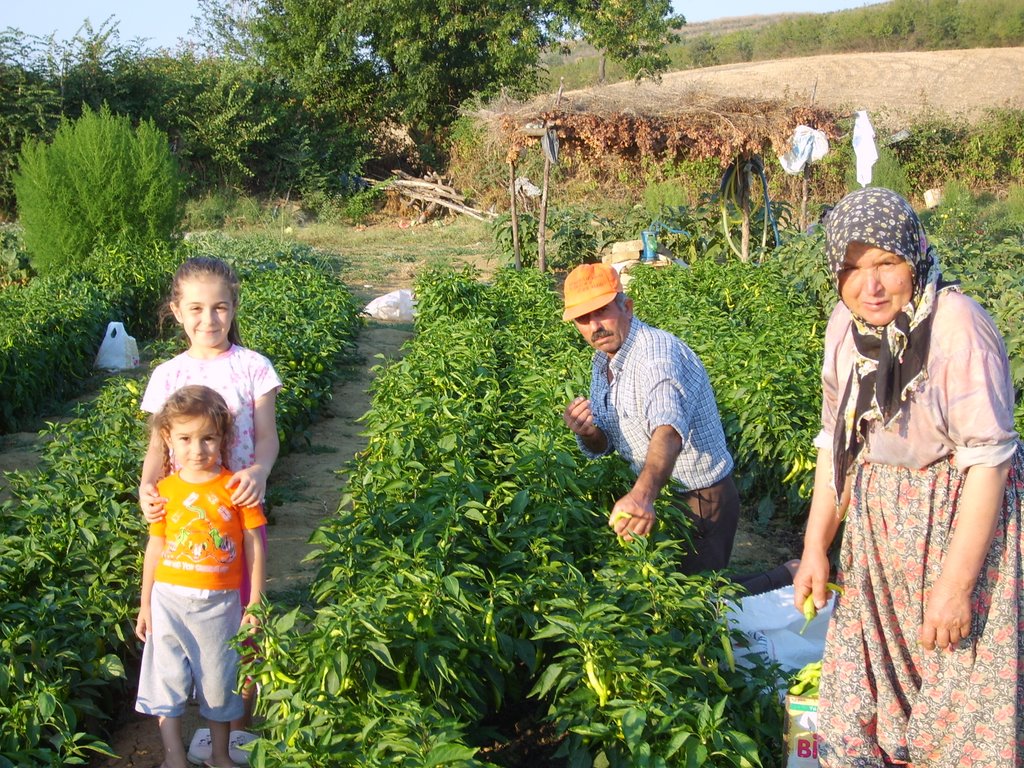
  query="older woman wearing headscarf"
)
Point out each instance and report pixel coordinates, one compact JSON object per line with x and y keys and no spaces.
{"x":924,"y":655}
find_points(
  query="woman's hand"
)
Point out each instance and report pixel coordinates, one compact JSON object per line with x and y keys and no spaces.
{"x":947,"y":617}
{"x":811,"y":578}
{"x":151,"y":503}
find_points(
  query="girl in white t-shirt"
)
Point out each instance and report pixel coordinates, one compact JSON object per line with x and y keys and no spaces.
{"x":204,"y":301}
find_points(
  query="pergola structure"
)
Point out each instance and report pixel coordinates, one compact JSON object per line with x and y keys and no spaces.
{"x":694,"y":126}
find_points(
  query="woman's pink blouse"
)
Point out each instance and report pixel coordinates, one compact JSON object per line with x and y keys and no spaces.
{"x":962,"y":408}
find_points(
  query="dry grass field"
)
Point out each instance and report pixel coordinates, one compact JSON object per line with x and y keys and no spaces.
{"x":893,"y":87}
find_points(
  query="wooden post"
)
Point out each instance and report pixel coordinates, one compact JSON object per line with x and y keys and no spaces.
{"x":515,"y":216}
{"x":805,"y":184}
{"x":542,"y":262}
{"x":550,"y":142}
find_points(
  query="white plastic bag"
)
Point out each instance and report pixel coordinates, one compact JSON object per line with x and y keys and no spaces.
{"x":397,"y":305}
{"x":772,"y":625}
{"x":807,"y":146}
{"x":118,"y":351}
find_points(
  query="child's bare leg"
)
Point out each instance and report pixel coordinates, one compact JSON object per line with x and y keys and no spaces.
{"x":219,"y":736}
{"x":174,"y":747}
{"x":244,"y":723}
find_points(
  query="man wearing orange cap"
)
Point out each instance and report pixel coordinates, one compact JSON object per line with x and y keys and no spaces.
{"x":651,"y":401}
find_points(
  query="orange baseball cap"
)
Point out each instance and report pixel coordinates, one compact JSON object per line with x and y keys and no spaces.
{"x":589,"y":287}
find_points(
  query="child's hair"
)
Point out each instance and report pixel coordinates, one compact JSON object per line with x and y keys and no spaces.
{"x":203,"y":267}
{"x":189,"y":402}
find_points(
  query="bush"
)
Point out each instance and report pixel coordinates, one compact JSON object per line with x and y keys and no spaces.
{"x":354,"y":207}
{"x":99,"y":181}
{"x":501,"y":231}
{"x":1008,"y":217}
{"x":211,"y":210}
{"x":955,"y":219}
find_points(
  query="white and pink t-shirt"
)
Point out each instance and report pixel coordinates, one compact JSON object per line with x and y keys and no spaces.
{"x":240,"y":375}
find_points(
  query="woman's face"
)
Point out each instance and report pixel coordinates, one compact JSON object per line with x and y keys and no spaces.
{"x":875,"y":284}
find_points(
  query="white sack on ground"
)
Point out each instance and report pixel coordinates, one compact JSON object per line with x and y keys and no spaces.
{"x":772,"y":625}
{"x":397,"y":305}
{"x":118,"y":350}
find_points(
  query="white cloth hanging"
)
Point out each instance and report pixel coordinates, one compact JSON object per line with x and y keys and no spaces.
{"x":864,"y":147}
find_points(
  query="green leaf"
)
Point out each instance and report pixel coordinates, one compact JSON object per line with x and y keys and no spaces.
{"x":551,"y":674}
{"x":633,"y":723}
{"x":46,"y":704}
{"x":448,"y":754}
{"x":519,"y":502}
{"x":111,"y":667}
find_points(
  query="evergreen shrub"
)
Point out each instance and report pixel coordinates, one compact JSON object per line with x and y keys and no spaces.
{"x":99,"y":181}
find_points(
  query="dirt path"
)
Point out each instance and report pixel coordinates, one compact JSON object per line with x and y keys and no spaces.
{"x":308,"y":485}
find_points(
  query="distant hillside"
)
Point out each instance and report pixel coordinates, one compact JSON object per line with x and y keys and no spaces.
{"x":735,"y":24}
{"x":584,"y":53}
{"x":893,"y":87}
{"x":897,"y":25}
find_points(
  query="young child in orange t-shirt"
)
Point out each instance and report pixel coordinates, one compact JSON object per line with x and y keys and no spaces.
{"x":193,"y":569}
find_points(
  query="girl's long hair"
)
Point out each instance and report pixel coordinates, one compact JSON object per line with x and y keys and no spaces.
{"x":199,"y":267}
{"x":190,"y":402}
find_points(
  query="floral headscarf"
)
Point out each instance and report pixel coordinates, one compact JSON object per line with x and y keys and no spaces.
{"x":889,"y":360}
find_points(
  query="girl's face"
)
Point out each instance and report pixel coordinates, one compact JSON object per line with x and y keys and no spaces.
{"x":205,"y":310}
{"x":875,"y":284}
{"x":196,"y":445}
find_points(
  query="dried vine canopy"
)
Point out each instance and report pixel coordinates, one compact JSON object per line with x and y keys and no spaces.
{"x":695,"y":129}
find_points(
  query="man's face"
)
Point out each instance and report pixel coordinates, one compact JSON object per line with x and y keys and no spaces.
{"x":606,"y":328}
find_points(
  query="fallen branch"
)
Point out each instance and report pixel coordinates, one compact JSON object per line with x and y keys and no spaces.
{"x":433,"y":193}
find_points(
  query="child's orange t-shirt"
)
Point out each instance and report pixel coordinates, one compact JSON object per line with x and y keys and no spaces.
{"x":204,"y":545}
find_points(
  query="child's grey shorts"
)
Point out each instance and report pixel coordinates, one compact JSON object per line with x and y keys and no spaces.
{"x":189,"y":644}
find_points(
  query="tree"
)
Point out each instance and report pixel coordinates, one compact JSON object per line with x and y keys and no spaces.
{"x":29,"y":106}
{"x":416,"y":62}
{"x":224,"y":29}
{"x":633,"y":33}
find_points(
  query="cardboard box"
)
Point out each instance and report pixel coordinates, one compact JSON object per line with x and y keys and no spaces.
{"x":801,"y":740}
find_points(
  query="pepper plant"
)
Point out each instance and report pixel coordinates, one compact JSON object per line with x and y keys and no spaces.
{"x":71,"y":535}
{"x":471,"y":569}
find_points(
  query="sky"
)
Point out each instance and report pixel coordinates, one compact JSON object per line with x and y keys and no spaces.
{"x":702,"y":10}
{"x":164,"y":22}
